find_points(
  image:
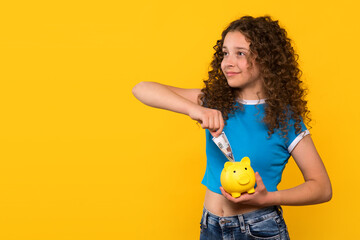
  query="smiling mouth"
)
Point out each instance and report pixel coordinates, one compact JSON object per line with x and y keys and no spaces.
{"x":231,"y":74}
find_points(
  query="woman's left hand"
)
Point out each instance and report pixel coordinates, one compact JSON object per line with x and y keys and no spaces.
{"x":261,"y":197}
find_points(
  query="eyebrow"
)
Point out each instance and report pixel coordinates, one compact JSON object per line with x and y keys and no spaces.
{"x":224,"y":47}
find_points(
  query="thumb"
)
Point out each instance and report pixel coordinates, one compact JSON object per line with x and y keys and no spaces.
{"x":217,"y":132}
{"x":259,"y":180}
{"x":214,"y":133}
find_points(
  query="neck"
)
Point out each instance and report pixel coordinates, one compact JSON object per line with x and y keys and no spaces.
{"x":251,"y":95}
{"x":252,"y":91}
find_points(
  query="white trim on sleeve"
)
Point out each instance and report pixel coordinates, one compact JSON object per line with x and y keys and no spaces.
{"x":297,"y":140}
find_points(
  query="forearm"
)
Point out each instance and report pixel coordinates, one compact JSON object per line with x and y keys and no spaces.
{"x":310,"y":192}
{"x":160,"y":96}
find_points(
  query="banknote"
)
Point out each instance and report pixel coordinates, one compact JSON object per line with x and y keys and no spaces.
{"x":223,"y":143}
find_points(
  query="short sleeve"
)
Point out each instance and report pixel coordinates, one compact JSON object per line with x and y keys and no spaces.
{"x":294,"y":138}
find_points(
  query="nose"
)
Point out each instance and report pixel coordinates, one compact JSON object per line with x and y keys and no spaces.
{"x":228,"y":61}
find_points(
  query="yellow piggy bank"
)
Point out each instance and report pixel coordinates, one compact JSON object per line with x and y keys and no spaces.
{"x":238,"y":177}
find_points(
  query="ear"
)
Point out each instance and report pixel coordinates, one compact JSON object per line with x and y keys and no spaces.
{"x":228,"y":164}
{"x":245,"y":160}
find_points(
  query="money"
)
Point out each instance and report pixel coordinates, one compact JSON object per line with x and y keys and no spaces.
{"x":223,"y":144}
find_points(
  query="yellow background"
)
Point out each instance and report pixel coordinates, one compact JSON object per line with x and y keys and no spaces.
{"x":81,"y":158}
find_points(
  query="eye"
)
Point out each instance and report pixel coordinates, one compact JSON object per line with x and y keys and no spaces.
{"x":224,"y":53}
{"x":234,"y":171}
{"x":241,"y":53}
{"x":245,"y":168}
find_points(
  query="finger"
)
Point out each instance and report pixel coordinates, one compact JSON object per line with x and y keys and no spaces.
{"x":204,"y":123}
{"x":221,"y":124}
{"x":211,"y":123}
{"x":222,"y":191}
{"x":213,"y":134}
{"x":258,"y":178}
{"x":226,"y":195}
{"x":259,"y":181}
{"x":229,"y":197}
{"x":217,"y":133}
{"x":216,"y":123}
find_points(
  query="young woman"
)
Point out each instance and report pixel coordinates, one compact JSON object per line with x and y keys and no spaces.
{"x":253,"y":94}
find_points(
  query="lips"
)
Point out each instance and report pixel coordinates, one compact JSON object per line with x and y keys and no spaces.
{"x":231,"y":73}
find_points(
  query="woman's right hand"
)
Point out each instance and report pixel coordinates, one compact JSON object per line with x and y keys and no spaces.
{"x":208,"y":118}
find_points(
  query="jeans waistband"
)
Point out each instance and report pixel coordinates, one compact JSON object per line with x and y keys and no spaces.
{"x":241,"y":219}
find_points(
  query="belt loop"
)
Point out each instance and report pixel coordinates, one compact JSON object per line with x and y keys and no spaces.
{"x":242,"y":223}
{"x":205,"y":219}
{"x":279,"y":210}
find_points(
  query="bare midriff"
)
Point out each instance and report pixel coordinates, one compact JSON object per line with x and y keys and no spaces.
{"x":220,"y":206}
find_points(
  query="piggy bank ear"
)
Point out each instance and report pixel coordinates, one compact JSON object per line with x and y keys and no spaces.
{"x":227,"y":165}
{"x":245,"y":160}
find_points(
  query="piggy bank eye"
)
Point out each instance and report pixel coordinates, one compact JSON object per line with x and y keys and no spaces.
{"x":245,"y":168}
{"x":234,"y":171}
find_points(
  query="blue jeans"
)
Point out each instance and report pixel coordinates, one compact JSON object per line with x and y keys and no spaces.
{"x":266,"y":223}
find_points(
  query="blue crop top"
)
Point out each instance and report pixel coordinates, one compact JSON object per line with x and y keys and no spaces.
{"x":248,"y":136}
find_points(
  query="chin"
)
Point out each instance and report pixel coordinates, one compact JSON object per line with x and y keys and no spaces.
{"x":235,"y":85}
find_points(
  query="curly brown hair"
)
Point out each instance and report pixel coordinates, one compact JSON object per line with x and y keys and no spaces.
{"x":271,"y":49}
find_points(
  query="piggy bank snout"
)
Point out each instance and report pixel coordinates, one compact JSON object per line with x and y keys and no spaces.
{"x":241,"y":176}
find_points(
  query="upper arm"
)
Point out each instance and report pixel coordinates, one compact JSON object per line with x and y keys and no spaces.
{"x":310,"y":163}
{"x":191,"y":94}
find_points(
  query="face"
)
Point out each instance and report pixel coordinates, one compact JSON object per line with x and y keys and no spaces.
{"x":235,"y":66}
